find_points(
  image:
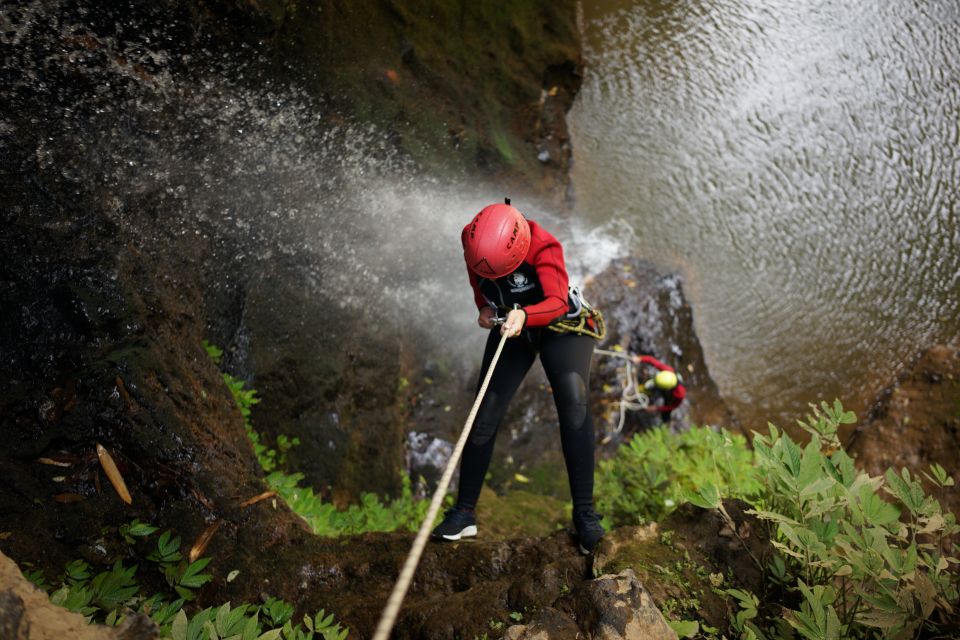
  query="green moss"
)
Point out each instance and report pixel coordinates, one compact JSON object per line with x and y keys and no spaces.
{"x":641,"y":556}
{"x":519,"y":513}
{"x":546,"y":478}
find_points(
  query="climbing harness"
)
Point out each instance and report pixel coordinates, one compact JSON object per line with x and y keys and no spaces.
{"x":632,"y":398}
{"x":390,"y":611}
{"x":583,"y":319}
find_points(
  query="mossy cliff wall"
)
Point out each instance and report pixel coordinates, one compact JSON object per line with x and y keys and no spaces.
{"x":459,"y":85}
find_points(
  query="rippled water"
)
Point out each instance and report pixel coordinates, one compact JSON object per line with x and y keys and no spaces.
{"x":798,"y":163}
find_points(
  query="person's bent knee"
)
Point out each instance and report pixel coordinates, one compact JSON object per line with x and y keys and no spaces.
{"x":571,"y":394}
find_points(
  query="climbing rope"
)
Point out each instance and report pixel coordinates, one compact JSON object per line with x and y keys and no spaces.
{"x":389,"y":615}
{"x":632,"y":398}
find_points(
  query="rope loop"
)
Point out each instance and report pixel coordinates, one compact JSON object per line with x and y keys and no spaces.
{"x":632,"y":398}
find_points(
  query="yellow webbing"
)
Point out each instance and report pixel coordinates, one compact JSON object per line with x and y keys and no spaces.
{"x":579,"y":324}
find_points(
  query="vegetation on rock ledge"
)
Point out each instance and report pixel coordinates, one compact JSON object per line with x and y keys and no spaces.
{"x":324,"y":518}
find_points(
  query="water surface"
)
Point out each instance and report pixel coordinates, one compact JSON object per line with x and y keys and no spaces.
{"x":798,"y":163}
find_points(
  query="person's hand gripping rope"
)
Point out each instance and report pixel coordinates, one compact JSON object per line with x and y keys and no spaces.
{"x":511,"y":326}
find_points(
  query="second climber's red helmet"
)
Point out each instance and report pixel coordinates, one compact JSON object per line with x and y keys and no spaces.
{"x":496,"y":241}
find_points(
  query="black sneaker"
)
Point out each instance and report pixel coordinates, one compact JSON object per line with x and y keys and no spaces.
{"x":588,"y":528}
{"x":457,"y":523}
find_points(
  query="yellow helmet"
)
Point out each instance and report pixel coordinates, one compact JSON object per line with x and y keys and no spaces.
{"x":665,"y":380}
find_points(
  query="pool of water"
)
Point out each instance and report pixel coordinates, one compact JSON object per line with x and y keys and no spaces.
{"x":798,"y":164}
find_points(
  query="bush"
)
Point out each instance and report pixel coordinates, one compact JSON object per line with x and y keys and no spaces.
{"x":652,"y":474}
{"x":857,"y":556}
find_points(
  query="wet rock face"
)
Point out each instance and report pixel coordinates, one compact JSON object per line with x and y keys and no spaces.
{"x":460,"y":85}
{"x":211,"y":133}
{"x":648,"y":314}
{"x":323,"y":375}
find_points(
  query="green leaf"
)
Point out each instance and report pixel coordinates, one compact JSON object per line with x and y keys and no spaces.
{"x":167,"y":552}
{"x":178,"y":631}
{"x":252,"y":628}
{"x":76,"y":571}
{"x":684,"y":628}
{"x":747,"y":600}
{"x":881,"y":619}
{"x":138,"y":529}
{"x":907,"y":490}
{"x":877,"y":511}
{"x":707,"y":497}
{"x":192,"y":577}
{"x":210,"y":631}
{"x":222,"y":617}
{"x":842,"y":468}
{"x":791,"y":534}
{"x":76,"y":598}
{"x":786,"y":550}
{"x":773,"y":516}
{"x":811,"y":463}
{"x":821,"y":485}
{"x":115,"y":587}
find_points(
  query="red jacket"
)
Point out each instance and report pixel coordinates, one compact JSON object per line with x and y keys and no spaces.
{"x":675,"y":396}
{"x":538,"y":285}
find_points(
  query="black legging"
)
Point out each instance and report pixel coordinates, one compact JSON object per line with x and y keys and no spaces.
{"x":566,"y":361}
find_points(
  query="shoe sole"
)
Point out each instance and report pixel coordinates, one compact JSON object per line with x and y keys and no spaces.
{"x":466,"y":532}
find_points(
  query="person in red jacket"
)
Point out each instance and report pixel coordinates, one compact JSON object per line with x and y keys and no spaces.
{"x":665,"y":389}
{"x":519,"y":282}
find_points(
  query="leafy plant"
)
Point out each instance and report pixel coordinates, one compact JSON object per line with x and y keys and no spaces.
{"x":110,"y":595}
{"x":277,"y":612}
{"x":215,"y":352}
{"x":75,"y":572}
{"x":167,"y":553}
{"x":370,"y":514}
{"x":861,"y":556}
{"x":111,"y":589}
{"x":37,"y":578}
{"x":684,"y":628}
{"x":657,"y":469}
{"x":136,"y":529}
{"x":242,"y":623}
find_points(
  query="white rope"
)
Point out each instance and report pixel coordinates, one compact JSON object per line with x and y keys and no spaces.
{"x":632,"y":398}
{"x":389,"y":615}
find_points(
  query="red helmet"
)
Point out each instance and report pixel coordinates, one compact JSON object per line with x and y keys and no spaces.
{"x":496,"y":241}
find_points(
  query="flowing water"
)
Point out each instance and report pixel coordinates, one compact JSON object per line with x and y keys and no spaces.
{"x":799,"y":164}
